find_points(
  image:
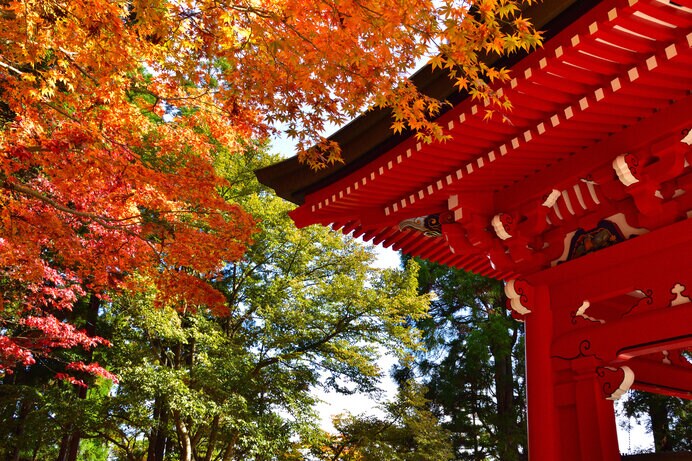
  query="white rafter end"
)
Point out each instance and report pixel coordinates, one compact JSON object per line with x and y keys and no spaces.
{"x":612,"y":14}
{"x":633,"y":74}
{"x":688,"y":138}
{"x":599,"y":94}
{"x":671,"y":51}
{"x":551,"y":198}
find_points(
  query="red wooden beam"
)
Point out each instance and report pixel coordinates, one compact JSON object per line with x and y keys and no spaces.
{"x":663,"y":257}
{"x":634,"y":335}
{"x":661,"y":378}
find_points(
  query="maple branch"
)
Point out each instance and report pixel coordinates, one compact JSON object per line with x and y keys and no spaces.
{"x":37,"y":195}
{"x":251,"y":10}
{"x":60,"y":111}
{"x":7,"y":14}
{"x":171,"y":98}
{"x":101,"y":220}
{"x":68,"y":55}
{"x":376,"y":14}
{"x":7,"y":66}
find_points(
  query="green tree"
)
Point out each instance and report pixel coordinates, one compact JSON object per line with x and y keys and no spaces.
{"x":407,"y":431}
{"x":473,"y":364}
{"x":303,"y":309}
{"x":669,"y":419}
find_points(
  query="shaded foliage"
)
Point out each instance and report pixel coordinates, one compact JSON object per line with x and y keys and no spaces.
{"x":669,"y":419}
{"x":406,"y":431}
{"x":473,"y":364}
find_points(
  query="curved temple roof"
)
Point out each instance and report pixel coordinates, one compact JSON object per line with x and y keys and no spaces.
{"x":614,"y":78}
{"x":370,"y":135}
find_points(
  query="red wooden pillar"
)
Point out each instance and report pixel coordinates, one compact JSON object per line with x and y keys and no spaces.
{"x":586,"y":419}
{"x":569,"y":416}
{"x":597,"y":434}
{"x":540,"y":395}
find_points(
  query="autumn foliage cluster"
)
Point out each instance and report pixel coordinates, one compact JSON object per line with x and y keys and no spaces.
{"x":113,"y":114}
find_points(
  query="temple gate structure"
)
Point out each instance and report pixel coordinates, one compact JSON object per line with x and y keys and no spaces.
{"x":581,"y":203}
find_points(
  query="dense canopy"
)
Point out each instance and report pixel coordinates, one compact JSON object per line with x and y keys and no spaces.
{"x":112,"y":114}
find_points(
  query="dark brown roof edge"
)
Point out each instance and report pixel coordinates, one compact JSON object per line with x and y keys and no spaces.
{"x":369,"y":135}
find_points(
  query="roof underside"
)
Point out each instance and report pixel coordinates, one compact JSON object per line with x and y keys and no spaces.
{"x":614,"y":67}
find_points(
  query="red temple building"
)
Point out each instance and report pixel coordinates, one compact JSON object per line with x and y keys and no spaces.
{"x":581,"y":204}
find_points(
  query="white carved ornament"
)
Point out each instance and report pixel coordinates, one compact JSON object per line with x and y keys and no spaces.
{"x":624,"y":170}
{"x":517,"y":295}
{"x":499,"y":227}
{"x":625,"y":384}
{"x":581,"y":312}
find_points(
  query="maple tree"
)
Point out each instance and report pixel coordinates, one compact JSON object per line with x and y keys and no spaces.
{"x":112,"y":113}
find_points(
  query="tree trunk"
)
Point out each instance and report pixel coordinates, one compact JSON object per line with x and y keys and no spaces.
{"x":230,"y":451}
{"x":64,"y":447}
{"x":506,"y":441}
{"x":183,"y":437}
{"x":73,"y":447}
{"x":660,"y":423}
{"x":14,"y":453}
{"x":212,"y":437}
{"x":474,"y":413}
{"x":159,"y":434}
{"x":154,"y":434}
{"x":69,"y":447}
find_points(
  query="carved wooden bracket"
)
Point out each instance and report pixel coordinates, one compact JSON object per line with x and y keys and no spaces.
{"x":519,"y":296}
{"x":625,"y":167}
{"x":429,"y":225}
{"x":615,"y":381}
{"x":502,"y":224}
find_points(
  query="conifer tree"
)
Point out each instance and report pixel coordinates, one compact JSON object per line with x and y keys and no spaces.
{"x":473,"y":364}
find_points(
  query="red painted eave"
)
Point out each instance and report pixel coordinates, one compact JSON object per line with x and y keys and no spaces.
{"x":611,"y":70}
{"x":370,"y":135}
